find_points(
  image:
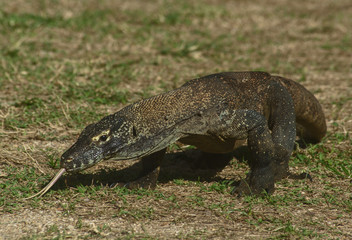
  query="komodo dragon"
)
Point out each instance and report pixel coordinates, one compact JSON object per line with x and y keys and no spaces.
{"x":211,"y":113}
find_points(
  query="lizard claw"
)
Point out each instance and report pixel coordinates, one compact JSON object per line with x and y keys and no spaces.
{"x":118,"y":184}
{"x":244,"y":189}
{"x":301,"y":176}
{"x":241,"y":189}
{"x":134,"y":185}
{"x":256,"y":183}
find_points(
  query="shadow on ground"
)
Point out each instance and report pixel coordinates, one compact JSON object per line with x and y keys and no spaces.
{"x":191,"y":165}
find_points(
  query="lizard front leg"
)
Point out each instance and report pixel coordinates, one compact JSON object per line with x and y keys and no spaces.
{"x":266,"y":153}
{"x":150,"y":171}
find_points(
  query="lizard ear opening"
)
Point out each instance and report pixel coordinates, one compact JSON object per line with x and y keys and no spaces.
{"x":134,"y":131}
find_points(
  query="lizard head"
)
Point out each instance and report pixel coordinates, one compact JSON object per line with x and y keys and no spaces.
{"x":100,"y":141}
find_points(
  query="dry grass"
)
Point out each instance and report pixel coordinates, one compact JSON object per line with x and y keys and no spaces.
{"x":64,"y":64}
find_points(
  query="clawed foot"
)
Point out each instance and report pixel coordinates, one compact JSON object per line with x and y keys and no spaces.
{"x":247,"y":189}
{"x":256,"y":183}
{"x":137,"y":184}
{"x":301,"y":176}
{"x":146,"y":182}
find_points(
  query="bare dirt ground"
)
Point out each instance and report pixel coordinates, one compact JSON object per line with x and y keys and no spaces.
{"x":64,"y":64}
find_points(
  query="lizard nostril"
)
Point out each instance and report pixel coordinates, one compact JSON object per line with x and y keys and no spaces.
{"x":65,"y":161}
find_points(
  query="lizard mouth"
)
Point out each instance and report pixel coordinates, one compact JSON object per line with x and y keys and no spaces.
{"x":74,"y":169}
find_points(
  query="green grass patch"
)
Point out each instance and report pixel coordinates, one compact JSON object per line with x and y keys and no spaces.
{"x":65,"y":64}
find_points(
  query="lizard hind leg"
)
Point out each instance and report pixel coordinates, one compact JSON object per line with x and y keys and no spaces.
{"x":283,"y":127}
{"x":310,"y":118}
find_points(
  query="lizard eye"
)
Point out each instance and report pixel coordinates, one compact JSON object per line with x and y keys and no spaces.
{"x":103,"y":138}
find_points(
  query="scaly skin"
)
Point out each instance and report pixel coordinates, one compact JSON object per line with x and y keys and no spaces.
{"x":211,"y":113}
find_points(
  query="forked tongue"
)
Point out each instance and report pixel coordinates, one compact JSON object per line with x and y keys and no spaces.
{"x":51,"y":183}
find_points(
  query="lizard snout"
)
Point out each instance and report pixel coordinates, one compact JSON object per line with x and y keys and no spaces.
{"x":67,"y":163}
{"x":78,"y":159}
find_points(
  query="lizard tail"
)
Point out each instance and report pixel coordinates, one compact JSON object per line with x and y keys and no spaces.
{"x":310,"y":118}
